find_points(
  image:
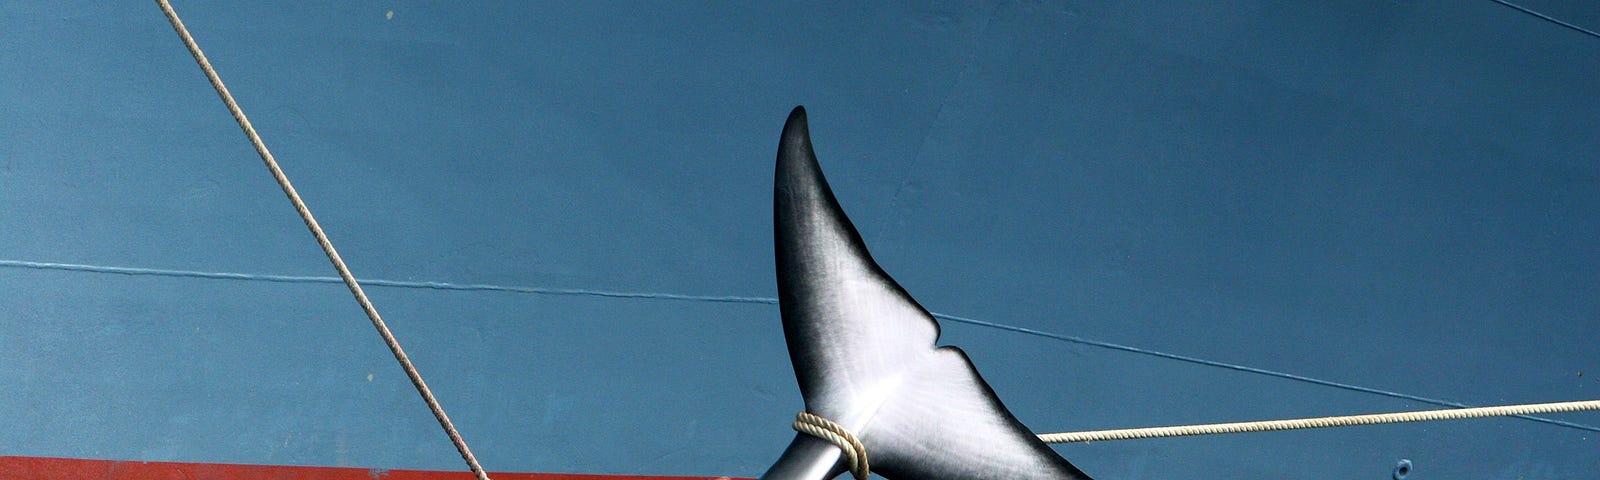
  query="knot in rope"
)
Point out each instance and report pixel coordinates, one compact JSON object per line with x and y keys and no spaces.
{"x":855,"y":453}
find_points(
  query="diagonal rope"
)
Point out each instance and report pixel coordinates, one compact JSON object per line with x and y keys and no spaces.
{"x":1320,"y":422}
{"x":1547,"y":18}
{"x":1243,"y":368}
{"x":322,"y":239}
{"x":801,"y":424}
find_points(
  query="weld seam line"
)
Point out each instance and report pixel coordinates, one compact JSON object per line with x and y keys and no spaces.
{"x":483,"y":287}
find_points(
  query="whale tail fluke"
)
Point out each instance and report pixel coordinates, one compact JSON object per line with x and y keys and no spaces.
{"x":865,"y":356}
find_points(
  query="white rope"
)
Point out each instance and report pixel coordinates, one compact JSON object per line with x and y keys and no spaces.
{"x":322,"y":239}
{"x":1320,"y":422}
{"x":855,"y":453}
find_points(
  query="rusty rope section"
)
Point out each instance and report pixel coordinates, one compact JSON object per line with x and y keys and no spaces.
{"x":322,"y":239}
{"x":1321,"y":422}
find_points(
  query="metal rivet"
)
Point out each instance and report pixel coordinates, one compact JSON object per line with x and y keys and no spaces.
{"x":1401,"y":469}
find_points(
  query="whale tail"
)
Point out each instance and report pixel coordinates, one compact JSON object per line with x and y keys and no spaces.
{"x":865,"y":356}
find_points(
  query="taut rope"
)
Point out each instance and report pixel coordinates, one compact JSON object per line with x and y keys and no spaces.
{"x":322,"y":239}
{"x":1320,"y":422}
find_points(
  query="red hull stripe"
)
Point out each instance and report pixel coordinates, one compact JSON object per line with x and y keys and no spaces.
{"x":49,"y":468}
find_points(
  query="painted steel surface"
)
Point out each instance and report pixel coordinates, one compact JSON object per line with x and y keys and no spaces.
{"x":47,"y":468}
{"x":1384,"y":194}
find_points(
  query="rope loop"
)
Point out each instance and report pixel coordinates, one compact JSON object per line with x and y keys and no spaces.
{"x":855,"y":453}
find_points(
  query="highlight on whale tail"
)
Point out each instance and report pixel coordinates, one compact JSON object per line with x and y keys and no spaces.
{"x":865,"y":355}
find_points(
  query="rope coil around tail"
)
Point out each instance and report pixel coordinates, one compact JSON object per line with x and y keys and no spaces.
{"x":854,"y":452}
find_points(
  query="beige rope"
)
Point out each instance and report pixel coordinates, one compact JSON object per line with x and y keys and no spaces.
{"x":1321,"y":422}
{"x":855,"y":453}
{"x":807,"y":423}
{"x":322,"y":239}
